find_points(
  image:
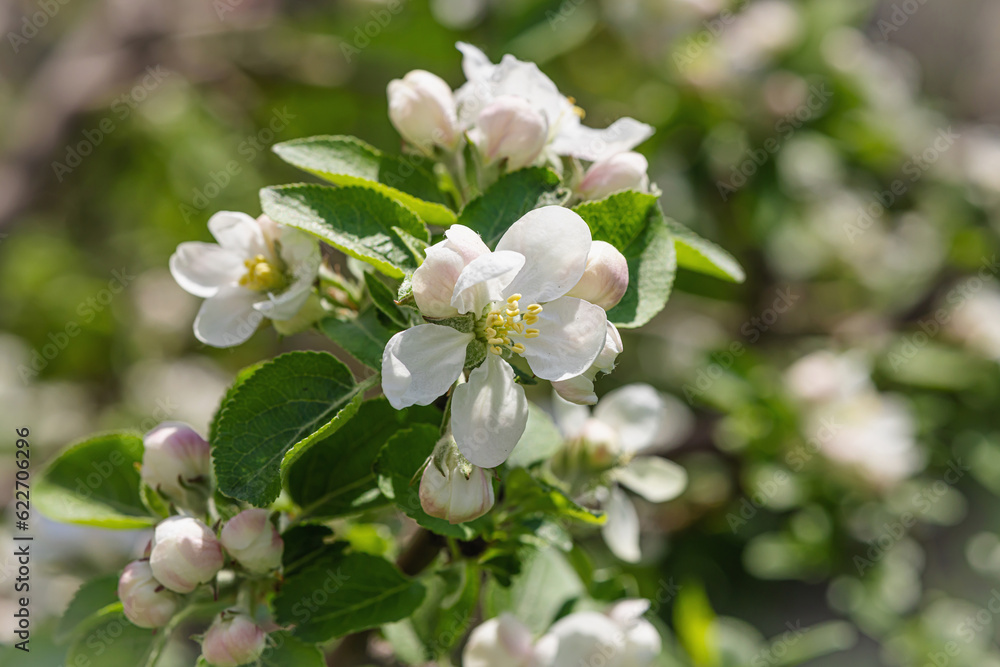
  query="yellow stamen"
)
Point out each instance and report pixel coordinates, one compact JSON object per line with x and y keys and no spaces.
{"x":261,"y":275}
{"x":532,"y":333}
{"x":518,"y":348}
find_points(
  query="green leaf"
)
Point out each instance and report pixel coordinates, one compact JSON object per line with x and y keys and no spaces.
{"x":540,"y":441}
{"x":545,"y":584}
{"x":95,"y":482}
{"x":698,"y":254}
{"x":113,"y":640}
{"x":336,"y":477}
{"x":449,"y":608}
{"x":337,"y":595}
{"x":88,"y":602}
{"x":287,"y":403}
{"x":359,"y":221}
{"x":397,"y":466}
{"x":533,"y":496}
{"x":286,"y":650}
{"x":507,"y":200}
{"x":384,"y":300}
{"x":652,"y":260}
{"x":306,"y":543}
{"x":363,"y":337}
{"x":350,"y":161}
{"x":240,"y":379}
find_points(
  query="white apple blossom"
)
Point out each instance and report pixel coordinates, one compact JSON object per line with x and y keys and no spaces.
{"x":253,"y":541}
{"x":258,"y":269}
{"x":453,"y":489}
{"x":233,"y":640}
{"x":566,"y":133}
{"x":422,"y":108}
{"x":185,"y":553}
{"x":514,"y":297}
{"x":623,"y":171}
{"x":144,"y":600}
{"x":618,"y":638}
{"x":176,"y":461}
{"x":580,"y":389}
{"x":500,"y":642}
{"x":628,"y":422}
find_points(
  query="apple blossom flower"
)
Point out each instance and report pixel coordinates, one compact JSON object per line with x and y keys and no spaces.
{"x":453,"y":489}
{"x":185,"y":553}
{"x":177,"y":462}
{"x":620,"y":637}
{"x":253,"y":541}
{"x":623,"y":171}
{"x":580,"y":389}
{"x":511,"y":129}
{"x":258,"y":269}
{"x":422,"y":109}
{"x":500,"y":642}
{"x":233,"y":640}
{"x":144,"y":600}
{"x":630,"y":421}
{"x":566,"y":134}
{"x":515,"y":303}
{"x":605,"y":279}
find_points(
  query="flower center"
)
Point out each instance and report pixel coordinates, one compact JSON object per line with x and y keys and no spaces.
{"x":504,"y":327}
{"x":262,"y":275}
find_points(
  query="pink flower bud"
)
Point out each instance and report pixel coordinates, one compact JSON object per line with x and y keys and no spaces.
{"x":145,"y":601}
{"x":510,"y":128}
{"x":252,"y":540}
{"x":499,"y":641}
{"x":422,"y":108}
{"x":462,"y":492}
{"x":434,"y":280}
{"x":185,"y":553}
{"x":605,"y":279}
{"x":175,"y":459}
{"x":232,"y":641}
{"x":624,"y":171}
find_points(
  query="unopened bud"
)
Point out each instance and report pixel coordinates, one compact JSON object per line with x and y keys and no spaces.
{"x":422,"y":108}
{"x":177,"y":462}
{"x":185,"y":553}
{"x":511,"y":129}
{"x":434,"y":280}
{"x":144,"y":600}
{"x":233,"y":640}
{"x":624,"y":171}
{"x":252,"y":540}
{"x":499,"y":641}
{"x":453,"y":489}
{"x":605,"y":279}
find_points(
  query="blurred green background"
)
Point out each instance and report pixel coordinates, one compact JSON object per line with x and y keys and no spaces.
{"x":843,"y":151}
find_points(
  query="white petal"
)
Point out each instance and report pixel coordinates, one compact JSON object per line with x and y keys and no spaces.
{"x":655,"y":479}
{"x":465,"y":242}
{"x":239,"y":233}
{"x":555,"y":243}
{"x":638,"y":412}
{"x":286,"y":305}
{"x":642,"y":644}
{"x":576,"y":139}
{"x":300,"y":252}
{"x":499,"y":642}
{"x":228,"y":318}
{"x":475,"y":64}
{"x":579,"y":390}
{"x":627,"y":612}
{"x":483,"y":280}
{"x":569,"y":417}
{"x":489,"y":413}
{"x":621,"y":530}
{"x":587,"y":638}
{"x":571,"y":335}
{"x":419,"y":364}
{"x":202,"y":268}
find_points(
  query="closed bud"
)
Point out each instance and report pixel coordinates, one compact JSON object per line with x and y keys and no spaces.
{"x":511,"y":129}
{"x":252,"y":540}
{"x":185,"y":553}
{"x":605,"y":279}
{"x":144,"y":600}
{"x":501,"y":641}
{"x":178,"y":463}
{"x":624,"y":171}
{"x":422,"y":108}
{"x":453,"y":489}
{"x":233,"y":639}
